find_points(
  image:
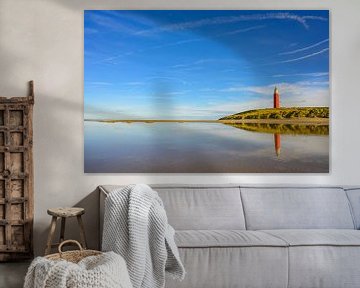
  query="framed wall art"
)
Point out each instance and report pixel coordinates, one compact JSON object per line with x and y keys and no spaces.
{"x":202,"y":91}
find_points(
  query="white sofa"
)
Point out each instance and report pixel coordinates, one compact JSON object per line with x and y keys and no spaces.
{"x":248,"y":236}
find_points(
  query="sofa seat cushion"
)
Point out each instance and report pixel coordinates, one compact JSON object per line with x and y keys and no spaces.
{"x":323,"y":258}
{"x":317,"y":237}
{"x":233,"y":267}
{"x":225,"y":238}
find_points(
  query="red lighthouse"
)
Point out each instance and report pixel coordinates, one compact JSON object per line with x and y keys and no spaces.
{"x":276,"y":98}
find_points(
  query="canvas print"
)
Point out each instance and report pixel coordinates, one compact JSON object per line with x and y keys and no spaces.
{"x":202,"y":91}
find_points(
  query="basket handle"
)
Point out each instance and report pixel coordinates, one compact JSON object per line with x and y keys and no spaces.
{"x":69,"y":241}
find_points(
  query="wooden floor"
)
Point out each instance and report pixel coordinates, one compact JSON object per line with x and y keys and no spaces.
{"x":12,"y":274}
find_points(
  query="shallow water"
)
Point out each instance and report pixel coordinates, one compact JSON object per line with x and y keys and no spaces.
{"x":200,"y":147}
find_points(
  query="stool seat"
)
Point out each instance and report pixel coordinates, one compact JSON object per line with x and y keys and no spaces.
{"x":63,"y":213}
{"x":66,"y":211}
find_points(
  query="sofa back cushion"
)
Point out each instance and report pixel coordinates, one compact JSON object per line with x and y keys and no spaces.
{"x":354,"y":198}
{"x":203,"y":208}
{"x":296,"y":208}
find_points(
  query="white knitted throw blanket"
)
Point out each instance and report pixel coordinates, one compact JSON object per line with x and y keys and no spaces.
{"x":103,"y":271}
{"x":136,"y":227}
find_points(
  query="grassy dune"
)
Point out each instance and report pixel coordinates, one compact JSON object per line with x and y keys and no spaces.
{"x":291,"y":115}
{"x":284,"y":128}
{"x":281,"y":113}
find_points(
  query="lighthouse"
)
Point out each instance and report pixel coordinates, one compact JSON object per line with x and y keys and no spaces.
{"x":276,"y":98}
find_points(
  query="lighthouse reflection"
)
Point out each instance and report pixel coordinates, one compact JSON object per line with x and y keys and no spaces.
{"x":277,"y":144}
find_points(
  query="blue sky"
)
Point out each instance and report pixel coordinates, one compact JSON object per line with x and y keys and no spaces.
{"x":202,"y":64}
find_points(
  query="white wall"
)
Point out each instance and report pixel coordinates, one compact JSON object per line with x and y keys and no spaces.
{"x":43,"y":40}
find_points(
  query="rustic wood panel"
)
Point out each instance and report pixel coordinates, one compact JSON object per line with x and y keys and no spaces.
{"x":16,"y":118}
{"x":2,"y":139}
{"x":2,"y":189}
{"x":16,"y":177}
{"x":2,"y":162}
{"x":2,"y":211}
{"x":17,"y":188}
{"x":16,"y":139}
{"x":1,"y":117}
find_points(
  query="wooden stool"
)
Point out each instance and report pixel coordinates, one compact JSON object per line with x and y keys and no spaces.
{"x":64,"y":213}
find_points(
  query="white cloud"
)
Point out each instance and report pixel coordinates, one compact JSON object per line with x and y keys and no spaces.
{"x":243,"y":30}
{"x":314,"y":74}
{"x":98,"y":83}
{"x":304,"y":57}
{"x":304,"y":48}
{"x":112,"y":59}
{"x":167,"y":79}
{"x":200,"y":62}
{"x":232,"y":19}
{"x":291,"y":94}
{"x":313,"y":83}
{"x":135,"y":83}
{"x":177,"y":43}
{"x":304,"y":93}
{"x":110,"y":22}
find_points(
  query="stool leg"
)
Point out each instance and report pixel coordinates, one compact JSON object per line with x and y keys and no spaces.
{"x":51,"y":235}
{"x":62,"y":230}
{"x":82,"y":232}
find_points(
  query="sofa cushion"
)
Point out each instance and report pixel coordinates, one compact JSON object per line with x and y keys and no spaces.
{"x":317,"y":237}
{"x":199,"y":207}
{"x":192,"y":208}
{"x":226,"y":238}
{"x":322,"y":258}
{"x":354,"y":198}
{"x":220,"y":267}
{"x":324,"y":266}
{"x":296,"y":208}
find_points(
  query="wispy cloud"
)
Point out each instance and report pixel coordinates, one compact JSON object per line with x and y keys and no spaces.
{"x":311,"y":17}
{"x":166,"y":79}
{"x":289,"y":89}
{"x":314,"y":74}
{"x":181,"y":42}
{"x":243,"y":30}
{"x":97,"y":112}
{"x":197,"y":62}
{"x":135,"y":83}
{"x":109,"y":22}
{"x":175,"y":93}
{"x":232,"y":19}
{"x":99,"y":83}
{"x":305,"y":57}
{"x":313,"y":83}
{"x":298,"y":94}
{"x":90,"y":31}
{"x":130,"y":17}
{"x":208,"y":61}
{"x":304,"y":48}
{"x":113,"y":59}
{"x":303,"y":93}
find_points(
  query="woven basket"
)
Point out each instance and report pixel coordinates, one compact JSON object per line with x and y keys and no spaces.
{"x":72,"y":256}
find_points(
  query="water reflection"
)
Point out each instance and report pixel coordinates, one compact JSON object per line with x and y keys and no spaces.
{"x":204,"y":148}
{"x":293,"y":129}
{"x":278,"y":129}
{"x":277,"y":144}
